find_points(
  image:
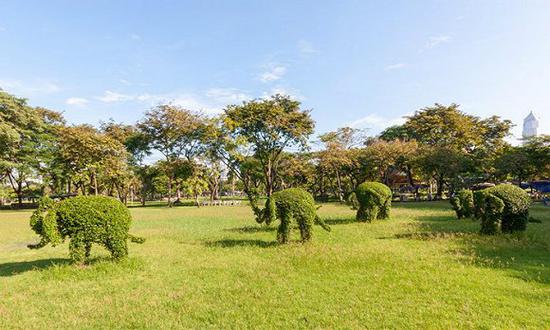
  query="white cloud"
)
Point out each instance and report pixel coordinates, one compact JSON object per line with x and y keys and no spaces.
{"x":292,"y":92}
{"x":274,"y":72}
{"x":37,"y":86}
{"x":227,"y":95}
{"x":437,"y":40}
{"x":76,"y":101}
{"x":395,"y":66}
{"x":211,"y":101}
{"x":306,"y":48}
{"x":376,"y":123}
{"x":110,"y":97}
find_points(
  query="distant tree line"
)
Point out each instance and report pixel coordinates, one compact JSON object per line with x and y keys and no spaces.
{"x":253,"y":149}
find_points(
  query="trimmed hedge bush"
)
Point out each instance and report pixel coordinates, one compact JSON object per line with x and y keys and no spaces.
{"x":463,"y":204}
{"x":85,"y":220}
{"x":295,"y":204}
{"x":503,"y":208}
{"x":374,"y":200}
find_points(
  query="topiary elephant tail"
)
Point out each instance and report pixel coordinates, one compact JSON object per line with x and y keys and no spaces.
{"x":321,"y":223}
{"x":38,"y":245}
{"x":136,"y":239}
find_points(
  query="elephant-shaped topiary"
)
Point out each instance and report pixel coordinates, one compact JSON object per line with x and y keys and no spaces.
{"x":463,"y":204}
{"x":374,"y":200}
{"x":85,"y":220}
{"x":503,"y":208}
{"x":288,"y":205}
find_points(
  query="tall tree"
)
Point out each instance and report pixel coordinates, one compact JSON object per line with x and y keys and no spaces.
{"x":21,"y":130}
{"x":265,"y":127}
{"x":176,"y":133}
{"x":86,"y":152}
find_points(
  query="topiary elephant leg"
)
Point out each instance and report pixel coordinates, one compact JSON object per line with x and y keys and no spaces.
{"x":361,"y":214}
{"x":305,"y":228}
{"x":118,"y":247}
{"x":77,"y":250}
{"x":88,"y":246}
{"x":283,"y":231}
{"x":384,"y":212}
{"x":371,"y":213}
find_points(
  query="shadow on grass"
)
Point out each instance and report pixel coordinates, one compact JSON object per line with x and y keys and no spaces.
{"x":229,"y":243}
{"x":16,"y":268}
{"x":523,"y":255}
{"x":339,"y":221}
{"x":253,"y":229}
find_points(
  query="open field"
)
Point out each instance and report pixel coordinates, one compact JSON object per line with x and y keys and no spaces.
{"x":215,"y":267}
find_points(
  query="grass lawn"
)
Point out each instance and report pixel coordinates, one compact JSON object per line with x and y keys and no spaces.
{"x":214,"y":267}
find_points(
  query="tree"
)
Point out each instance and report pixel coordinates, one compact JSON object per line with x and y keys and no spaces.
{"x":265,"y":127}
{"x":538,"y":152}
{"x":335,"y":158}
{"x":21,"y":130}
{"x":444,"y":126}
{"x":86,"y":152}
{"x":175,"y":132}
{"x":444,"y":165}
{"x":196,"y":183}
{"x":390,"y":156}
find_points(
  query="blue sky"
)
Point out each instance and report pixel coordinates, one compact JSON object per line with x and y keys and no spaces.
{"x":359,"y":63}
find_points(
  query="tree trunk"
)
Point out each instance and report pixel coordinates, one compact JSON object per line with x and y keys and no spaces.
{"x":95,"y":184}
{"x":439,"y":192}
{"x":339,"y":183}
{"x":269,"y":179}
{"x":169,"y":192}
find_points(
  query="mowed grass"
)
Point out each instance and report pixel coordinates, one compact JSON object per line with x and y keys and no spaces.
{"x":214,"y":267}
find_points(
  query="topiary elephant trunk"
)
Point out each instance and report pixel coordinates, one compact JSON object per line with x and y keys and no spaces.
{"x":291,"y":205}
{"x":86,"y":220}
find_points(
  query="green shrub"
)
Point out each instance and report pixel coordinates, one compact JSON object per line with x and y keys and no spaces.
{"x":478,"y":204}
{"x":463,"y":204}
{"x":374,"y":201}
{"x":512,"y":216}
{"x":85,"y":220}
{"x":492,"y":213}
{"x":295,"y":204}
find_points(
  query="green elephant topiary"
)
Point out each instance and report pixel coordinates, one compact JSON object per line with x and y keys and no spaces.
{"x":374,"y":200}
{"x":463,"y":204}
{"x":503,"y":208}
{"x":85,"y":220}
{"x":292,"y":204}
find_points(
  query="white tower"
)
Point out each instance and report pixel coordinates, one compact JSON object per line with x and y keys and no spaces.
{"x":530,"y":125}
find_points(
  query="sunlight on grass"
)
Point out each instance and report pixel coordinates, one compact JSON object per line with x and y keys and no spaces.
{"x":214,"y":266}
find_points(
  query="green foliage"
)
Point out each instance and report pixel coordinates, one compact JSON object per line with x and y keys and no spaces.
{"x":478,"y":204}
{"x":265,"y":127}
{"x":352,"y":201}
{"x":298,"y":205}
{"x":85,"y":220}
{"x":463,"y":204}
{"x":374,"y":201}
{"x":492,"y":213}
{"x":512,"y":216}
{"x":269,"y":213}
